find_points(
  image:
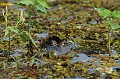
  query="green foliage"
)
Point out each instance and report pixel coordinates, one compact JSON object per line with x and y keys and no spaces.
{"x":42,"y":2}
{"x":114,"y":26}
{"x":28,"y":37}
{"x":25,"y":36}
{"x":116,"y":14}
{"x":25,"y":2}
{"x":40,"y":5}
{"x":40,"y":8}
{"x":109,"y":15}
{"x":105,"y":13}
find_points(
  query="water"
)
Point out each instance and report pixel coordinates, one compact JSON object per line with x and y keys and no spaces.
{"x":82,"y":57}
{"x":42,"y":35}
{"x":17,"y":52}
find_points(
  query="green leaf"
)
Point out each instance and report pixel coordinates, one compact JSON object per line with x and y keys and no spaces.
{"x":14,"y":29}
{"x":25,"y":2}
{"x":23,"y":36}
{"x":30,"y":38}
{"x":43,"y":3}
{"x":104,"y":12}
{"x":41,"y":8}
{"x":114,"y":26}
{"x":116,"y":14}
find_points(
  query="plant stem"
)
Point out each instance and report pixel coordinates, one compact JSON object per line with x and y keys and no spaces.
{"x":6,"y":24}
{"x":29,"y":24}
{"x":9,"y":43}
{"x":109,"y":49}
{"x":29,"y":18}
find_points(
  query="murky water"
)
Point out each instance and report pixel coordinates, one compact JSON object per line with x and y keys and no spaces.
{"x":82,"y":57}
{"x":42,"y":35}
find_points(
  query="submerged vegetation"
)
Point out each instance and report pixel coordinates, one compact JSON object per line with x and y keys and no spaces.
{"x":67,"y":39}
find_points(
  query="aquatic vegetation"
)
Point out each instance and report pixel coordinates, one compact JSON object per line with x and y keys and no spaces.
{"x":32,"y":7}
{"x":67,"y":40}
{"x":103,"y":71}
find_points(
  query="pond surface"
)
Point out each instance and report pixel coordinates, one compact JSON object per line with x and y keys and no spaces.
{"x":72,"y":44}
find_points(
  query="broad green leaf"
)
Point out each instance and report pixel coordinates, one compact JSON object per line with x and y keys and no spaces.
{"x":116,"y":14}
{"x":30,"y":38}
{"x":104,"y":12}
{"x":25,"y":2}
{"x":15,"y":30}
{"x":41,"y":8}
{"x":114,"y":26}
{"x":43,"y":3}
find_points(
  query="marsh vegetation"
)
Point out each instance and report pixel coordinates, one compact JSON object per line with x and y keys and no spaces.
{"x":60,"y":39}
